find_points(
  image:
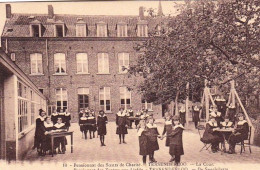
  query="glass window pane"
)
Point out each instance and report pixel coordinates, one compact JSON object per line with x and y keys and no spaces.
{"x":122,"y":101}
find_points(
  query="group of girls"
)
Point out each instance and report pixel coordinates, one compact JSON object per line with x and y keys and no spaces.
{"x":45,"y":125}
{"x":148,"y":134}
{"x":88,"y":122}
{"x":239,"y":132}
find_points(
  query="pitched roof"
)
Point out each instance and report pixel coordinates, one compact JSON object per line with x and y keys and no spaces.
{"x":19,"y":24}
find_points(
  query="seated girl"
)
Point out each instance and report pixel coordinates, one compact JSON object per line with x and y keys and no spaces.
{"x":239,"y":134}
{"x":48,"y":128}
{"x":227,"y":124}
{"x":60,"y":142}
{"x":211,"y":135}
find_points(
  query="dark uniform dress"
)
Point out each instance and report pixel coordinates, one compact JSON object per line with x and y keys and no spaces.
{"x":217,"y":116}
{"x":67,"y":117}
{"x":54,"y":118}
{"x":131,"y":114}
{"x":138,"y":115}
{"x":143,"y":141}
{"x":92,"y":121}
{"x":226,"y":125}
{"x":221,"y":105}
{"x":166,"y":130}
{"x":196,"y":116}
{"x":240,"y":133}
{"x":82,"y":124}
{"x":101,"y":124}
{"x":175,"y":136}
{"x":48,"y":127}
{"x":121,"y":123}
{"x":60,"y":140}
{"x":62,"y":116}
{"x":232,"y":114}
{"x":152,"y":138}
{"x":182,"y":117}
{"x":211,"y":136}
{"x":39,"y":137}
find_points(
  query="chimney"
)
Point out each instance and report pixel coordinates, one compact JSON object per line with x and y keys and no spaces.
{"x":141,"y":13}
{"x":50,"y":11}
{"x":8,"y":11}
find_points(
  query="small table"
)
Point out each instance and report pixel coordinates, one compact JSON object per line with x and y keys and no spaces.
{"x":60,"y":134}
{"x":223,"y":132}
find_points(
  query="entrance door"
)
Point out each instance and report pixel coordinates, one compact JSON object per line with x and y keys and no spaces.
{"x":83,"y":100}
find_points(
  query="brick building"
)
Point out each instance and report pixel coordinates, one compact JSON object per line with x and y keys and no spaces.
{"x":77,"y":61}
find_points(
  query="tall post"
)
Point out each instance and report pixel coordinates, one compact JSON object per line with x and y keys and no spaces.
{"x":187,"y":105}
{"x":206,"y":92}
{"x":232,"y":91}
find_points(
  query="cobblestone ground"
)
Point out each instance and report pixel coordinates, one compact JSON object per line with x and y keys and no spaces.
{"x":90,"y":150}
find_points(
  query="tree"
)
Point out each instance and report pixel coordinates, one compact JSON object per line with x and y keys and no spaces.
{"x":213,"y":40}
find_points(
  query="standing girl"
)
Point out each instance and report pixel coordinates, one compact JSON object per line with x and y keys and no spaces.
{"x":82,"y":123}
{"x":101,"y":125}
{"x":121,"y":125}
{"x":143,"y":140}
{"x":167,"y":127}
{"x":67,"y":118}
{"x":152,"y":138}
{"x":92,"y":124}
{"x":182,"y":115}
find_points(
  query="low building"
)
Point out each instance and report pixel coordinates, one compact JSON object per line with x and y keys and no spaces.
{"x":20,"y":101}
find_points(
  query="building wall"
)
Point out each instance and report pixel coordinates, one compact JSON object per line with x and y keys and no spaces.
{"x":72,"y":81}
{"x":25,"y":144}
{"x":2,"y":143}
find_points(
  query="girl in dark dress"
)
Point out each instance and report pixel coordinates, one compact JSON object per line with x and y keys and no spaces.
{"x":138,"y":116}
{"x":240,"y":133}
{"x":176,"y":144}
{"x":48,"y":128}
{"x":182,"y":113}
{"x":226,"y":125}
{"x":152,"y":138}
{"x":143,"y":140}
{"x":231,"y":112}
{"x":60,"y":142}
{"x":101,"y":125}
{"x":39,"y":137}
{"x":54,"y":117}
{"x":121,"y":125}
{"x":82,"y":124}
{"x":62,"y":115}
{"x":196,"y":115}
{"x":131,"y":114}
{"x":67,"y":117}
{"x":211,"y":135}
{"x":92,"y":125}
{"x":167,"y":127}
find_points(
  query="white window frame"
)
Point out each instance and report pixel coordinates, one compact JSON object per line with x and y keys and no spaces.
{"x":32,"y":31}
{"x":82,"y":62}
{"x":105,"y":98}
{"x":122,"y":30}
{"x":60,"y":63}
{"x":78,"y":31}
{"x":61,"y":97}
{"x":142,"y":30}
{"x":102,"y":63}
{"x":146,"y":105}
{"x":126,"y":56}
{"x":125,"y":97}
{"x":99,"y":26}
{"x":83,"y":90}
{"x":38,"y":63}
{"x":55,"y":30}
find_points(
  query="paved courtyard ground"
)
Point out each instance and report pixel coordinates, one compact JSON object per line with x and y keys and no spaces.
{"x":90,"y":150}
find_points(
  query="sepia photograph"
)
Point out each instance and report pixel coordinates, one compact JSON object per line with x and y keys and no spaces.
{"x":130,"y":85}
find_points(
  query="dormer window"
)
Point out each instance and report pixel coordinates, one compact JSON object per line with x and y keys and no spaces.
{"x":101,"y":29}
{"x":142,"y":29}
{"x":122,"y":30}
{"x":81,"y":28}
{"x":59,"y":29}
{"x":35,"y":29}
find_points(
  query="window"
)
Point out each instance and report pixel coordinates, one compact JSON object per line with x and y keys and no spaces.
{"x":22,"y":114}
{"x":125,"y":97}
{"x":81,"y":30}
{"x":122,"y":30}
{"x":36,"y":63}
{"x":82,"y":63}
{"x":146,"y":105}
{"x":83,"y":98}
{"x":142,"y":30}
{"x":59,"y":31}
{"x":35,"y":31}
{"x":104,"y":99}
{"x":59,"y":63}
{"x":103,"y":63}
{"x":61,"y":99}
{"x":19,"y":88}
{"x":123,"y":62}
{"x":101,"y":30}
{"x":41,"y":90}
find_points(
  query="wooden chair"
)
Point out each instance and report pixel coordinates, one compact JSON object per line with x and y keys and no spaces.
{"x":246,"y":143}
{"x":201,"y":129}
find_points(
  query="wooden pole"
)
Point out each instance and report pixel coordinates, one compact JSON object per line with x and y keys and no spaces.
{"x":187,"y":105}
{"x":233,"y":97}
{"x":207,"y":103}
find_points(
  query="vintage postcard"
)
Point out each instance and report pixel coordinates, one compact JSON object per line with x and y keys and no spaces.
{"x":130,"y":85}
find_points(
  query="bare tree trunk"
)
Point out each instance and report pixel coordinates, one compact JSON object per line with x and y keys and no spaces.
{"x":176,"y":102}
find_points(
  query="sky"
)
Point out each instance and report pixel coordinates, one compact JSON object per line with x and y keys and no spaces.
{"x":85,"y":8}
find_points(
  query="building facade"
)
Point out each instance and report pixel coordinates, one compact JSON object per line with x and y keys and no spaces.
{"x":80,"y":61}
{"x":20,"y":101}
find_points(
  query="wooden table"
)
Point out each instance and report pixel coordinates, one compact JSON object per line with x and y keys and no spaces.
{"x":60,"y":134}
{"x":223,"y":132}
